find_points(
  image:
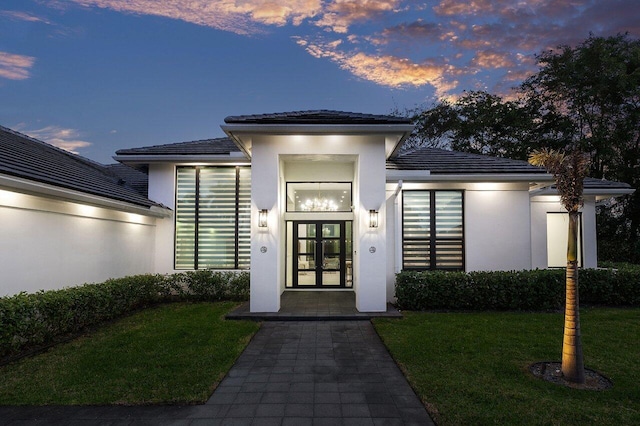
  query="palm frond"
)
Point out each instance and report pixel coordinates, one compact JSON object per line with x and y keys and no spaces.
{"x":568,"y":170}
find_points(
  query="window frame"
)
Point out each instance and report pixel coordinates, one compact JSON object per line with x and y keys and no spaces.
{"x":196,"y":236}
{"x":432,"y":240}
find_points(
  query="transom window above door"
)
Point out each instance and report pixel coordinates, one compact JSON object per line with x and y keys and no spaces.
{"x":319,"y":197}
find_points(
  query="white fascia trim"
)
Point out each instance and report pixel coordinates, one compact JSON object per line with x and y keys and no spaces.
{"x":426,"y":176}
{"x":192,"y":158}
{"x":51,"y":191}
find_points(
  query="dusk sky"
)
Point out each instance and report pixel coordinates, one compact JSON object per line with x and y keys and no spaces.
{"x":94,"y":76}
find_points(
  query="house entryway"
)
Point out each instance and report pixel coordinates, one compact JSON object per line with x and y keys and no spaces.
{"x":314,"y":305}
{"x":320,"y":254}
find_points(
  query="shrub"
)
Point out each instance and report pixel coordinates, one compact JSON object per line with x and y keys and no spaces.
{"x":207,"y":285}
{"x":515,"y":290}
{"x":37,"y":319}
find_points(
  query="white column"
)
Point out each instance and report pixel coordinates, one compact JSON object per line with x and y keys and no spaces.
{"x":371,"y":273}
{"x":265,"y":288}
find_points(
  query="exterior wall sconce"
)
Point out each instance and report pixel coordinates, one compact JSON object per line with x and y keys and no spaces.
{"x":262,"y":218}
{"x":373,"y":219}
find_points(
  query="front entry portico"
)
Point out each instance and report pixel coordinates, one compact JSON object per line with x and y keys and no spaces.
{"x":310,"y":245}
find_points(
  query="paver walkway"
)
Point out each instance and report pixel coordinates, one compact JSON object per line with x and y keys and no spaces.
{"x":292,"y":373}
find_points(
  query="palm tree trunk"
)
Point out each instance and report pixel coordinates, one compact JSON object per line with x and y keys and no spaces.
{"x":572,"y":360}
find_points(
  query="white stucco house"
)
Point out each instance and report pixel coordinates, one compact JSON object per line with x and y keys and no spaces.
{"x":322,"y":200}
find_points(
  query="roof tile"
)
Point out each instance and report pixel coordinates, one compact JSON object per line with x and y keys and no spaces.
{"x":440,"y":161}
{"x":218,"y":146}
{"x":29,"y":158}
{"x":316,"y":117}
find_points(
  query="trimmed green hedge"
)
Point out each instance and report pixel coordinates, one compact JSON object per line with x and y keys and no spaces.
{"x":205,"y":285}
{"x":38,"y":319}
{"x":514,"y":291}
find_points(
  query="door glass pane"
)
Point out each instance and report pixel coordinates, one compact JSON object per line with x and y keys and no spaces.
{"x":330,"y":247}
{"x":331,"y":230}
{"x":306,"y":278}
{"x":290,"y":246}
{"x":331,"y":278}
{"x":331,"y":262}
{"x":306,"y":246}
{"x":306,"y":230}
{"x":306,"y":261}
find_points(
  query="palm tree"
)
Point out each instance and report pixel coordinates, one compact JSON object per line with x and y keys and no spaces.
{"x":569,"y":171}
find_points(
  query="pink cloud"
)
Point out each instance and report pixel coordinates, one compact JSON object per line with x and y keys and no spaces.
{"x":385,"y":70}
{"x":340,"y":14}
{"x":23,"y":16}
{"x":412,"y":32}
{"x":382,"y":41}
{"x":67,"y":139}
{"x":492,"y":59}
{"x":234,"y":16}
{"x":465,"y":7}
{"x":15,"y":67}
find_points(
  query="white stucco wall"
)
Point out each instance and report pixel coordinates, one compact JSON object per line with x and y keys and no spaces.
{"x":540,"y":206}
{"x":497,"y":230}
{"x":505,"y":229}
{"x":50,"y":244}
{"x":162,"y":183}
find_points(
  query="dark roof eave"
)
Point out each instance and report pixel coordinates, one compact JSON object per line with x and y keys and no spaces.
{"x":426,"y":176}
{"x":293,"y":128}
{"x":179,"y":158}
{"x":319,"y":116}
{"x":47,"y":189}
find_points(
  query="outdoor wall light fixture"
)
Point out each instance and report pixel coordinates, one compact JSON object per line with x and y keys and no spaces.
{"x":262,"y":218}
{"x":373,"y":219}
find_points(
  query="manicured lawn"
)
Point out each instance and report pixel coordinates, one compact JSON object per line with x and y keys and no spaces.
{"x":472,"y":368}
{"x":173,"y":353}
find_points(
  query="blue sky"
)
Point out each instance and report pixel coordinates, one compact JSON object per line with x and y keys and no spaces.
{"x":94,"y":76}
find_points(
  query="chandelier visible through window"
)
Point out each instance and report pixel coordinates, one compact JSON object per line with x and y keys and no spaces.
{"x":319,"y":196}
{"x":319,"y":205}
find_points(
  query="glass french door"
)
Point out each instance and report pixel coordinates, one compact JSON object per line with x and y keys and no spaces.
{"x":321,"y":254}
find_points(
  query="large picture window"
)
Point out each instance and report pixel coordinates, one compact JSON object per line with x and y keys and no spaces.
{"x":213,"y":217}
{"x":432,"y":230}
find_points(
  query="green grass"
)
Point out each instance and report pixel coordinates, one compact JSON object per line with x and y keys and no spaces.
{"x":472,"y":368}
{"x":173,"y":353}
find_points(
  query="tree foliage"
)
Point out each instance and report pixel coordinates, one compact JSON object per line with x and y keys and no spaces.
{"x":585,"y":97}
{"x":568,"y":170}
{"x":478,"y":122}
